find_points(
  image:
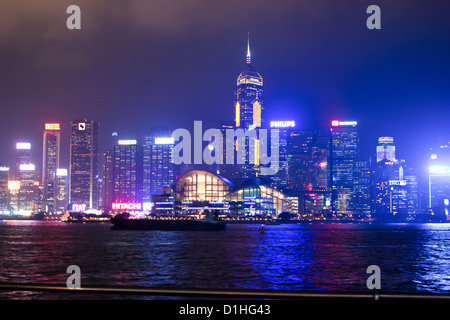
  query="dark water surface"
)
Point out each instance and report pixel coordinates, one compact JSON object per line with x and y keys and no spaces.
{"x":332,"y":257}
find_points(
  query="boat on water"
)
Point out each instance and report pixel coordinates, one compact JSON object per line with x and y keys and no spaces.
{"x":79,"y":217}
{"x":167,"y":224}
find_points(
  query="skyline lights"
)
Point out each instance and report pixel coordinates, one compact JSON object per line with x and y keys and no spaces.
{"x":282,"y":124}
{"x":52,"y":127}
{"x":337,"y":123}
{"x":164,"y":141}
{"x":126,"y":206}
{"x":27,"y":167}
{"x":61,"y":172}
{"x":127,"y":142}
{"x":439,"y":169}
{"x":23,"y":145}
{"x":13,"y":185}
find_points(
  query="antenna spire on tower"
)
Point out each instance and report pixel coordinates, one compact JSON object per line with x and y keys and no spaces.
{"x":249,"y":57}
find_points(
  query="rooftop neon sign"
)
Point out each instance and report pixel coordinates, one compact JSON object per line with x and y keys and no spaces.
{"x":337,"y":123}
{"x":282,"y":124}
{"x":52,"y":127}
{"x":126,"y":206}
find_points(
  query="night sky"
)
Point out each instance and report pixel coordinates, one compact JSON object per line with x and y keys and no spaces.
{"x":138,"y":63}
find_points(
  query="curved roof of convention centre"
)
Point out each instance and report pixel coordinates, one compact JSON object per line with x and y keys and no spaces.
{"x":234,"y":185}
{"x":231,"y":185}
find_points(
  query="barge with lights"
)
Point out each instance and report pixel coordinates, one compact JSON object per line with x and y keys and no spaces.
{"x":121,"y":222}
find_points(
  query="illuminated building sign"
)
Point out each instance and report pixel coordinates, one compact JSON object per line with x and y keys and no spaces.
{"x":82,"y":126}
{"x":164,"y":141}
{"x":440,"y":169}
{"x":385,"y":140}
{"x":13,"y":185}
{"x":52,"y":126}
{"x":389,"y":163}
{"x":126,"y":206}
{"x":397,"y":182}
{"x":337,"y":123}
{"x":282,"y":124}
{"x":4,"y":169}
{"x":36,"y":183}
{"x":78,"y":207}
{"x":127,"y":142}
{"x":23,"y":146}
{"x":27,"y":167}
{"x":61,"y":172}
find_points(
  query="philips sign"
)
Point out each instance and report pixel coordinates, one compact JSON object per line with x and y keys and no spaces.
{"x":282,"y":124}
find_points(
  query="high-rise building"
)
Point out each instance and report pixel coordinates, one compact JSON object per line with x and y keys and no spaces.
{"x":308,"y":170}
{"x":23,"y":156}
{"x":127,"y":172}
{"x":344,"y":151}
{"x":83,"y":183}
{"x":439,"y":182}
{"x":412,"y":189}
{"x":61,"y":190}
{"x":13,"y":196}
{"x":385,"y":149}
{"x":4,"y":178}
{"x":390,"y":193}
{"x":50,"y":164}
{"x":107,"y":180}
{"x":249,"y":109}
{"x":159,"y":169}
{"x":361,"y":196}
{"x":249,"y":96}
{"x":285,"y":129}
{"x":28,"y":198}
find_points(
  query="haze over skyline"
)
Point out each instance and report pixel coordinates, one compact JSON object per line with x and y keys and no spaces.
{"x":135,"y":64}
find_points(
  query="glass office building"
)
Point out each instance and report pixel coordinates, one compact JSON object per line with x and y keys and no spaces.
{"x":50,"y":164}
{"x":84,"y":171}
{"x":158,"y":167}
{"x":343,"y":154}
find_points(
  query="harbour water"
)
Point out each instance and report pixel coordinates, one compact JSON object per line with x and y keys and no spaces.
{"x":413,"y":258}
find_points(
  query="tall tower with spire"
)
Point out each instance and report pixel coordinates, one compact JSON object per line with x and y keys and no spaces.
{"x":249,"y":96}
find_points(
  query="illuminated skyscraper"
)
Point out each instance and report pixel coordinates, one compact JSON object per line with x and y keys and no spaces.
{"x":308,"y":170}
{"x":83,"y":183}
{"x":107,"y":180}
{"x":285,"y":128}
{"x":159,"y":169}
{"x":385,"y":149}
{"x":343,"y":154}
{"x":249,"y":96}
{"x":127,"y":172}
{"x":361,"y":196}
{"x":4,"y":178}
{"x":23,"y":156}
{"x":28,"y":201}
{"x":25,"y":194}
{"x":249,"y":109}
{"x":50,"y":163}
{"x":61,"y":190}
{"x":439,"y":182}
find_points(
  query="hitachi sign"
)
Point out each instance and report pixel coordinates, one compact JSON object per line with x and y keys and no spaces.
{"x":126,"y":206}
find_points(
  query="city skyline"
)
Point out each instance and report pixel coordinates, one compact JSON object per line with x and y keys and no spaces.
{"x":390,"y":80}
{"x":179,"y":150}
